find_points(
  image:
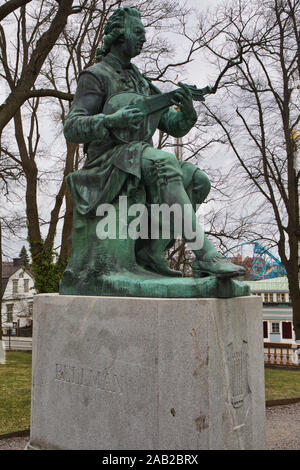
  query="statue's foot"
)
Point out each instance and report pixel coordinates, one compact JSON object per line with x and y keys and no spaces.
{"x":157,"y":263}
{"x":218,"y":266}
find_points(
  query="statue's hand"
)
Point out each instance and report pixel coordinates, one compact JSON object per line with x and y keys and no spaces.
{"x":128,"y":117}
{"x":183,"y":99}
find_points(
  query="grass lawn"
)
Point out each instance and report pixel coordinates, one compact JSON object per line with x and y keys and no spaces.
{"x":15,"y":386}
{"x":282,"y":383}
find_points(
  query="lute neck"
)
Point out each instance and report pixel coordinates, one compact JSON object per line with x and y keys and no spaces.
{"x":159,"y":102}
{"x":164,"y":101}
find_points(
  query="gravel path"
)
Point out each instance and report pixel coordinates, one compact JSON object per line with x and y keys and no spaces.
{"x":13,"y":443}
{"x":282,"y":429}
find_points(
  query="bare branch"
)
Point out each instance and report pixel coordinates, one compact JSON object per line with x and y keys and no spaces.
{"x":11,"y":6}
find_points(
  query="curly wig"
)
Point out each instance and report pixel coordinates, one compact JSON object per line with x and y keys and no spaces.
{"x":114,"y":29}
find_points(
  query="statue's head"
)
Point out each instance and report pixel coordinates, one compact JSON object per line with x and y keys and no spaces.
{"x":124,"y":27}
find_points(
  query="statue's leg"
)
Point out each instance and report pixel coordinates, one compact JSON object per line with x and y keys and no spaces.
{"x":163,"y":178}
{"x":197,"y":186}
{"x":157,"y":167}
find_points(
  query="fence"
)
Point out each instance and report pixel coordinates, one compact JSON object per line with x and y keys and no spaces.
{"x":25,"y":331}
{"x":15,"y":343}
{"x":17,"y":339}
{"x":282,"y":354}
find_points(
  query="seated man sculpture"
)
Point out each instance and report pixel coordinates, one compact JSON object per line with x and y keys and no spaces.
{"x":113,"y":117}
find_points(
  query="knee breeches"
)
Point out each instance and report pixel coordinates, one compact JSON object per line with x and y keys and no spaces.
{"x":159,"y":168}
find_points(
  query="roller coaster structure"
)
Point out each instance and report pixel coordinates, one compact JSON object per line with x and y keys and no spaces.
{"x":264,"y":264}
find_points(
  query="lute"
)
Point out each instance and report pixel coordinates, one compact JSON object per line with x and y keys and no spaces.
{"x":151,"y":106}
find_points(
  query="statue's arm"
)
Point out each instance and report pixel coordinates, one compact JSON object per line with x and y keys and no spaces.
{"x":176,"y":123}
{"x":85,"y":122}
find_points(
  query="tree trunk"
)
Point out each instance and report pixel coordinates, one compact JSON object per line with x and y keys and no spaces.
{"x":295,"y":297}
{"x":0,"y":284}
{"x":55,"y":215}
{"x":31,"y":174}
{"x":34,"y":233}
{"x":293,"y":280}
{"x":65,"y":250}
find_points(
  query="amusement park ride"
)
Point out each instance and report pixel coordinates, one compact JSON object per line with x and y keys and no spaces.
{"x":264,"y":265}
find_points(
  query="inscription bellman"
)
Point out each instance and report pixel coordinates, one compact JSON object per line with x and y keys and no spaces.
{"x":104,"y":380}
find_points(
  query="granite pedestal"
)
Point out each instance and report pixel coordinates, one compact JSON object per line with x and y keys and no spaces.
{"x":147,"y":373}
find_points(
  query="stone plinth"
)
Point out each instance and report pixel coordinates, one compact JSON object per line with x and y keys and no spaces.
{"x":138,"y":373}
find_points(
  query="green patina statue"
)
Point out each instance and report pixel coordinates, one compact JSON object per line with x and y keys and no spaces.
{"x":115,"y":112}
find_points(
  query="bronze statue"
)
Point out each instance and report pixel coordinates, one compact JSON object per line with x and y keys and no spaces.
{"x":115,"y":113}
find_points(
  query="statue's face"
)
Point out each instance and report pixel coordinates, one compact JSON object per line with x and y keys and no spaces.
{"x":135,"y":36}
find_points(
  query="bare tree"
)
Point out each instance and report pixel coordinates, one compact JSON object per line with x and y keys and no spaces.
{"x":51,"y":18}
{"x":256,"y":114}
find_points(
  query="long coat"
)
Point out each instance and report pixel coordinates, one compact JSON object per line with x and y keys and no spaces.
{"x":111,"y":167}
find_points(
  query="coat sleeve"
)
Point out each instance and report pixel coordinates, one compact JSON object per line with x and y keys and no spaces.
{"x":176,"y":123}
{"x":85,"y":122}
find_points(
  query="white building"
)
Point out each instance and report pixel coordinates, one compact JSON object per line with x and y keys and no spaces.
{"x":277,"y":309}
{"x":280,"y":347}
{"x":17,"y":299}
